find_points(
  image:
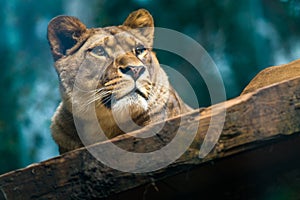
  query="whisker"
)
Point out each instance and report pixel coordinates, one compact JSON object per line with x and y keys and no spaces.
{"x":82,"y":90}
{"x":104,"y":102}
{"x":156,"y":100}
{"x":113,"y":81}
{"x":97,"y":97}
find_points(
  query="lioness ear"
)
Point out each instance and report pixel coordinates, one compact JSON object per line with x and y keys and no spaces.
{"x":142,"y":24}
{"x":64,"y":33}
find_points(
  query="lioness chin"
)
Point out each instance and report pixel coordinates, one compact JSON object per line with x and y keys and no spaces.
{"x":110,"y":74}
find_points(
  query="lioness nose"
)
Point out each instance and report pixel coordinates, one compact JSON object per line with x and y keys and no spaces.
{"x":134,"y":71}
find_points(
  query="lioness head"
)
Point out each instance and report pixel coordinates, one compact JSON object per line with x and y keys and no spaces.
{"x":112,"y":68}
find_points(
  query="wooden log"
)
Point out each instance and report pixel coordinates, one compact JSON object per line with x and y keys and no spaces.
{"x":261,"y":132}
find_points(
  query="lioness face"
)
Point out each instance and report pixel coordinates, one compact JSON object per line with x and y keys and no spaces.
{"x":127,"y":74}
{"x":112,"y":67}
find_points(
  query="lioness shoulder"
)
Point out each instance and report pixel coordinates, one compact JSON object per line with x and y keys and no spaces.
{"x":110,"y":74}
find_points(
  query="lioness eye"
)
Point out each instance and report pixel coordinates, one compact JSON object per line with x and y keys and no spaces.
{"x":139,"y":50}
{"x":99,"y":51}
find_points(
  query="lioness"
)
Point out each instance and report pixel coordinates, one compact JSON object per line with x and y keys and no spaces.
{"x":114,"y":70}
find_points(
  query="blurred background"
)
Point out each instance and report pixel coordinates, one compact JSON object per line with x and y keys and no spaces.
{"x":242,"y":37}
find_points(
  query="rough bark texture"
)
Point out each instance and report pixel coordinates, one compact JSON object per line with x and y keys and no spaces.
{"x":259,"y":138}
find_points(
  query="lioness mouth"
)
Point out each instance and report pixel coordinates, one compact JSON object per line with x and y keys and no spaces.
{"x":107,"y":99}
{"x":141,"y":94}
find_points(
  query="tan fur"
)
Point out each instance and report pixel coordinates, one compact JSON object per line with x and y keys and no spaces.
{"x":273,"y":75}
{"x":133,"y":86}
